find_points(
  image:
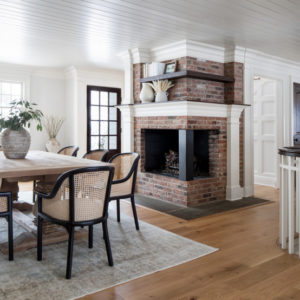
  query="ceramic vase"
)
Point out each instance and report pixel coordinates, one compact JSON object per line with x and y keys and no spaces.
{"x":15,"y":143}
{"x":53,"y":145}
{"x":146,"y":94}
{"x":161,"y":97}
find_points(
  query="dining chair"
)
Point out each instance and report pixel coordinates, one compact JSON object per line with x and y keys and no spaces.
{"x":98,"y":154}
{"x":6,"y":212}
{"x":79,"y":197}
{"x":123,"y":184}
{"x":69,"y":150}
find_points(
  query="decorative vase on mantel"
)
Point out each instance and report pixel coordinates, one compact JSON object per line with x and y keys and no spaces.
{"x":146,"y":94}
{"x":161,"y":97}
{"x":15,"y":143}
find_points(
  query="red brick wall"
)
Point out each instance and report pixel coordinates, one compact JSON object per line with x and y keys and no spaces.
{"x":188,"y":193}
{"x":201,"y":90}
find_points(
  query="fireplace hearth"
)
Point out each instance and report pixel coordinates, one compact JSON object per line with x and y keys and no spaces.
{"x":181,"y":153}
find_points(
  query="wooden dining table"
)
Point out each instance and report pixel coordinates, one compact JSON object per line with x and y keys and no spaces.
{"x":37,"y":165}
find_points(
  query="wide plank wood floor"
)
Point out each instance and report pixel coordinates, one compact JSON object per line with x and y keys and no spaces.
{"x":249,"y":264}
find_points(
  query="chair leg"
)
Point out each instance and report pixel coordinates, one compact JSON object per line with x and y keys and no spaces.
{"x":91,"y":236}
{"x":10,"y":238}
{"x":33,"y":194}
{"x":118,"y":210}
{"x":107,"y":244}
{"x":103,"y":230}
{"x":134,"y":213}
{"x":70,"y":253}
{"x":40,"y":239}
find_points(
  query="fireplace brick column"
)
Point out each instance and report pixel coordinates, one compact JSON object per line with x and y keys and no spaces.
{"x":233,"y":188}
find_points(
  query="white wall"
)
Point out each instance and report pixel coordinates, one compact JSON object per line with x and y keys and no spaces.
{"x":48,"y":92}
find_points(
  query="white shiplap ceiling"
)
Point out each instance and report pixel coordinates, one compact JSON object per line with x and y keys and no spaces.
{"x":59,"y":33}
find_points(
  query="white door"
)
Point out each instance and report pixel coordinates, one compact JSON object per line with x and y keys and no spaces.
{"x":265,"y":132}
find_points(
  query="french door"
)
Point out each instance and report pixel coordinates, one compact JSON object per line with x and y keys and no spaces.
{"x":103,"y":128}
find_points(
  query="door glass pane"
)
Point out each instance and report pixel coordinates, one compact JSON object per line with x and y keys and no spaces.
{"x":104,"y":98}
{"x":94,"y":142}
{"x":112,"y":127}
{"x":95,"y":112}
{"x":112,"y":142}
{"x":94,"y":97}
{"x":104,"y":113}
{"x":104,"y":142}
{"x":94,"y":128}
{"x":112,"y":99}
{"x":104,"y":127}
{"x":112,"y":113}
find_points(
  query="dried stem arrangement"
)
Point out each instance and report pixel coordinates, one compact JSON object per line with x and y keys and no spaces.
{"x":161,"y":85}
{"x":52,"y":124}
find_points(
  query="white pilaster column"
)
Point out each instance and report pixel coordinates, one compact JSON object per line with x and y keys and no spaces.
{"x":127,"y":125}
{"x":129,"y":58}
{"x":233,"y":188}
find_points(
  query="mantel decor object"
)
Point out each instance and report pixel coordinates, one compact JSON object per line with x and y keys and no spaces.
{"x":160,"y":87}
{"x":146,"y":94}
{"x":52,"y":124}
{"x":170,"y":67}
{"x":15,"y":139}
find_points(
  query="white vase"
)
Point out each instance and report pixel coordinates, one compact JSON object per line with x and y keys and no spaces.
{"x":15,"y":143}
{"x":146,"y":94}
{"x":53,"y":145}
{"x":161,"y":97}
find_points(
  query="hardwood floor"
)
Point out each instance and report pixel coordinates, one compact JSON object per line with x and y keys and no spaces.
{"x":248,"y":265}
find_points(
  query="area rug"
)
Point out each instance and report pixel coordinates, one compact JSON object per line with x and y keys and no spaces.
{"x":135,"y":254}
{"x":202,"y":210}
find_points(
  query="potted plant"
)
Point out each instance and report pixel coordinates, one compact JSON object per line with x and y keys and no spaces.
{"x":52,"y":124}
{"x":15,"y":138}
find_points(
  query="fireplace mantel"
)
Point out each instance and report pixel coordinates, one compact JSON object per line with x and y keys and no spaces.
{"x":181,"y":108}
{"x":231,"y":112}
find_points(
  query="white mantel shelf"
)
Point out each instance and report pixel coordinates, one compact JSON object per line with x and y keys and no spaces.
{"x":181,"y":108}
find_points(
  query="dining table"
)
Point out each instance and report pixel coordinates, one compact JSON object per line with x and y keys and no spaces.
{"x":37,"y":165}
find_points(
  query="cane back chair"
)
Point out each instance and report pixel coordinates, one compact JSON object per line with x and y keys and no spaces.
{"x":79,"y":198}
{"x":99,"y":154}
{"x":123,"y":184}
{"x":69,"y":150}
{"x":6,"y":212}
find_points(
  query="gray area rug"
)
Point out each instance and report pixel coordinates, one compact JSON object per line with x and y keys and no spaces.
{"x":135,"y":254}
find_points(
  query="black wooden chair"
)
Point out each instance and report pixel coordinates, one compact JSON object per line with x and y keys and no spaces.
{"x":79,"y":198}
{"x":99,"y":154}
{"x":6,"y":212}
{"x":123,"y":184}
{"x":69,"y":150}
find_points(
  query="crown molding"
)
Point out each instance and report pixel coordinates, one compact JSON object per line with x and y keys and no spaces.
{"x":70,"y":72}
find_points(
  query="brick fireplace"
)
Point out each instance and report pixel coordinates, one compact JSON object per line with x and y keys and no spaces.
{"x":196,"y":107}
{"x":185,"y":192}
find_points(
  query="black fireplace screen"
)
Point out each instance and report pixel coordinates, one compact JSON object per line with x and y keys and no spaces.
{"x":177,"y":153}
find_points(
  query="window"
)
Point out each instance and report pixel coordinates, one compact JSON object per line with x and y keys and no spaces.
{"x":9,"y":91}
{"x":103,"y":118}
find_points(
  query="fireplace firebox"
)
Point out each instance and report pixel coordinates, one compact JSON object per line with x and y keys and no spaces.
{"x":181,"y":153}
